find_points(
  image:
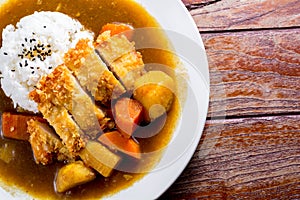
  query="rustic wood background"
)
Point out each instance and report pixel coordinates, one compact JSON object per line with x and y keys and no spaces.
{"x":250,"y":148}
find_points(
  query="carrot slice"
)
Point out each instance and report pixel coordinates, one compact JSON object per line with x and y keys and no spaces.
{"x":128,"y":114}
{"x":14,"y":126}
{"x":115,"y":140}
{"x":117,"y":28}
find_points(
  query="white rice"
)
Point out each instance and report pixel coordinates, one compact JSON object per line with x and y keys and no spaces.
{"x":20,"y":73}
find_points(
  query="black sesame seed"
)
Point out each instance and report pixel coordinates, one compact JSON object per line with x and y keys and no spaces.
{"x":25,"y":39}
{"x":33,"y":59}
{"x":20,"y":64}
{"x":13,"y":70}
{"x":48,"y":45}
{"x":31,"y":67}
{"x":5,"y":53}
{"x":50,"y":67}
{"x":33,"y":39}
{"x":45,"y":26}
{"x":32,"y":72}
{"x":26,"y":63}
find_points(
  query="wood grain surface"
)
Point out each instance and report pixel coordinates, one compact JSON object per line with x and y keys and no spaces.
{"x":254,"y":72}
{"x":257,"y":158}
{"x":250,"y":148}
{"x":239,"y":14}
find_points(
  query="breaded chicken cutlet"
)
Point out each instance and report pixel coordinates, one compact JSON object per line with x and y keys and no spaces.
{"x":46,"y":145}
{"x":63,"y":100}
{"x":92,"y":73}
{"x":65,"y":91}
{"x":62,"y":122}
{"x":121,"y":57}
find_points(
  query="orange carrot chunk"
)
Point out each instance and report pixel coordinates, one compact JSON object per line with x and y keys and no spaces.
{"x":128,"y":114}
{"x":117,"y":28}
{"x":114,"y":140}
{"x":14,"y":126}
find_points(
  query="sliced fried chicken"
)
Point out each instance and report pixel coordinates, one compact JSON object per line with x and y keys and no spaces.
{"x":121,"y":57}
{"x":59,"y":118}
{"x":46,"y":145}
{"x":128,"y":68}
{"x":113,"y":47}
{"x":65,"y":91}
{"x":92,"y":73}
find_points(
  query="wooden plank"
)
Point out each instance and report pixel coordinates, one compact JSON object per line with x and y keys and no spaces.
{"x":254,"y":158}
{"x":255,"y":72}
{"x":215,"y":15}
{"x":197,"y":3}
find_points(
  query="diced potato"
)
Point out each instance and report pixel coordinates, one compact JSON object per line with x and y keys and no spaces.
{"x":72,"y":175}
{"x":155,"y":91}
{"x":99,"y":157}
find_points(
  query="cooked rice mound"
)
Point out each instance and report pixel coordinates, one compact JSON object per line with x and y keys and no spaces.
{"x":34,"y":48}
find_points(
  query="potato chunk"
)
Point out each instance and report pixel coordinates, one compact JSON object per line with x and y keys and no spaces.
{"x":155,"y":91}
{"x":99,"y":157}
{"x":72,"y":175}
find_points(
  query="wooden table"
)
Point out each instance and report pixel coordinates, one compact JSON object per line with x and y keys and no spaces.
{"x":250,"y":148}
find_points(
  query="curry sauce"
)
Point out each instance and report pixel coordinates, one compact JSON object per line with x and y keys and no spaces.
{"x":19,"y":169}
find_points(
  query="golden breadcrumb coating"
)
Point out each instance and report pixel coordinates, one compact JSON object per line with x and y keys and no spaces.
{"x":66,"y":91}
{"x":122,"y":58}
{"x":128,"y":68}
{"x":92,"y":73}
{"x":46,"y":145}
{"x":59,"y":118}
{"x":75,"y":58}
{"x":112,"y":48}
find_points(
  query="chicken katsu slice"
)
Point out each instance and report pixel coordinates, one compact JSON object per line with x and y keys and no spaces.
{"x":92,"y":73}
{"x":129,"y":68}
{"x":71,"y":135}
{"x":59,"y":118}
{"x":108,"y":87}
{"x":67,"y":92}
{"x":121,"y":57}
{"x":113,"y":47}
{"x":46,"y":145}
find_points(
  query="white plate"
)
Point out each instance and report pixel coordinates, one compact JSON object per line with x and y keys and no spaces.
{"x":183,"y":33}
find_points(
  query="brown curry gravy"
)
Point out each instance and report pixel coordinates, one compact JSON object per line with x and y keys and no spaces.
{"x":37,"y":180}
